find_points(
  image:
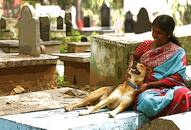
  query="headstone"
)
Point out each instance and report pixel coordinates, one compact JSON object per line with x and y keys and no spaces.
{"x":29,"y":34}
{"x":60,"y":22}
{"x":143,"y":23}
{"x":44,"y":28}
{"x":2,"y":24}
{"x":105,"y":15}
{"x":86,"y":21}
{"x":68,"y":22}
{"x":129,"y":22}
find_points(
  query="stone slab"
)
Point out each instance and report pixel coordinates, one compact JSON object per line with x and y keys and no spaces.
{"x":11,"y":46}
{"x":58,"y":119}
{"x":100,"y":30}
{"x":78,"y":46}
{"x":74,"y":57}
{"x":18,"y":60}
{"x":173,"y":122}
{"x":76,"y":67}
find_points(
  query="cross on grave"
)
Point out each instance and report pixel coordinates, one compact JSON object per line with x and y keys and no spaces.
{"x":29,"y":32}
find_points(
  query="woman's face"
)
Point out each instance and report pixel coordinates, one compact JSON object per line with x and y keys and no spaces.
{"x":160,"y":37}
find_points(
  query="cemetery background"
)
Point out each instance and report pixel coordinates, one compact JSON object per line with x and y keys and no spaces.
{"x":91,"y":10}
{"x":21,"y":105}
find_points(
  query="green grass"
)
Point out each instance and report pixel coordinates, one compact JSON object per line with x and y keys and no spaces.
{"x":185,"y":41}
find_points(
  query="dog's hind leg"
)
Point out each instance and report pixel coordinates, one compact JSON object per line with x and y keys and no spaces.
{"x":101,"y":104}
{"x":122,"y":106}
{"x":91,"y":98}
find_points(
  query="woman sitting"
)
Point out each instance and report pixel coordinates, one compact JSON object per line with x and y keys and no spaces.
{"x":166,"y":91}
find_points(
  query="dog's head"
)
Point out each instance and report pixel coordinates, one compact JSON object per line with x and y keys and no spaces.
{"x":137,"y":73}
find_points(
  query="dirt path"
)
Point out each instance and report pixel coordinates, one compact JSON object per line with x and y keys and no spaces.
{"x":41,"y":100}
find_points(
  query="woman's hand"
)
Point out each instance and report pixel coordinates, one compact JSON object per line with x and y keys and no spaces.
{"x":155,"y":84}
{"x":144,"y":86}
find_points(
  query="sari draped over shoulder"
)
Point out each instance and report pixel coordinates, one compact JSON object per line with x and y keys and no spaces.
{"x":168,"y":65}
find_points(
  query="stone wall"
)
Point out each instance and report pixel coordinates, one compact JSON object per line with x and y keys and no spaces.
{"x":109,"y":59}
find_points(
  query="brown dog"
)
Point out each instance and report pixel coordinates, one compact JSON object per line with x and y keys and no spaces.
{"x":118,"y":99}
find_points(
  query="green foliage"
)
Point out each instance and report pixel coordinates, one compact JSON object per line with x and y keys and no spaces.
{"x":31,"y":2}
{"x":90,"y":38}
{"x":76,"y":37}
{"x":187,"y":46}
{"x":188,"y":83}
{"x":181,"y":13}
{"x":63,"y":45}
{"x":61,"y":82}
{"x":95,"y":5}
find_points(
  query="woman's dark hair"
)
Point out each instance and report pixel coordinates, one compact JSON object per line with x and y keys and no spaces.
{"x":167,"y":24}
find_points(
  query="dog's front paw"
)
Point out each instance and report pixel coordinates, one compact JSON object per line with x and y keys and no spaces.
{"x":111,"y":115}
{"x":68,"y":108}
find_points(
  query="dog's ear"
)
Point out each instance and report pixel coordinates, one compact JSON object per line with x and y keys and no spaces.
{"x":130,"y":63}
{"x":126,"y":74}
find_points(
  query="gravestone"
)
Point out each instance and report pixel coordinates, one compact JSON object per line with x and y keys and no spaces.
{"x":28,"y":27}
{"x":60,"y":22}
{"x":129,"y":22}
{"x":44,"y":28}
{"x":143,"y":23}
{"x":68,"y":22}
{"x":86,"y":21}
{"x":2,"y":24}
{"x":105,"y":15}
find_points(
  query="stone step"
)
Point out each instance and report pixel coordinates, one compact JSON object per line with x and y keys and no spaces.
{"x":58,"y":119}
{"x":173,"y":122}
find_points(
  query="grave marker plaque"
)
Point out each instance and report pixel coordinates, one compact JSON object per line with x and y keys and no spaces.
{"x":129,"y":22}
{"x":143,"y":23}
{"x":86,"y":21}
{"x":60,"y":22}
{"x":105,"y":15}
{"x":2,"y":24}
{"x":44,"y":28}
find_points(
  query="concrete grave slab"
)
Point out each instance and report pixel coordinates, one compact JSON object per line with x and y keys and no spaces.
{"x":60,"y":120}
{"x":173,"y":122}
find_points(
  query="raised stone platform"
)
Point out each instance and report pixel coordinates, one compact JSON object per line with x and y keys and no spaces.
{"x":100,"y":30}
{"x":31,"y":73}
{"x":78,"y":46}
{"x":76,"y":67}
{"x":173,"y":122}
{"x":43,"y":110}
{"x":12,"y":46}
{"x":60,"y":120}
{"x":109,"y":57}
